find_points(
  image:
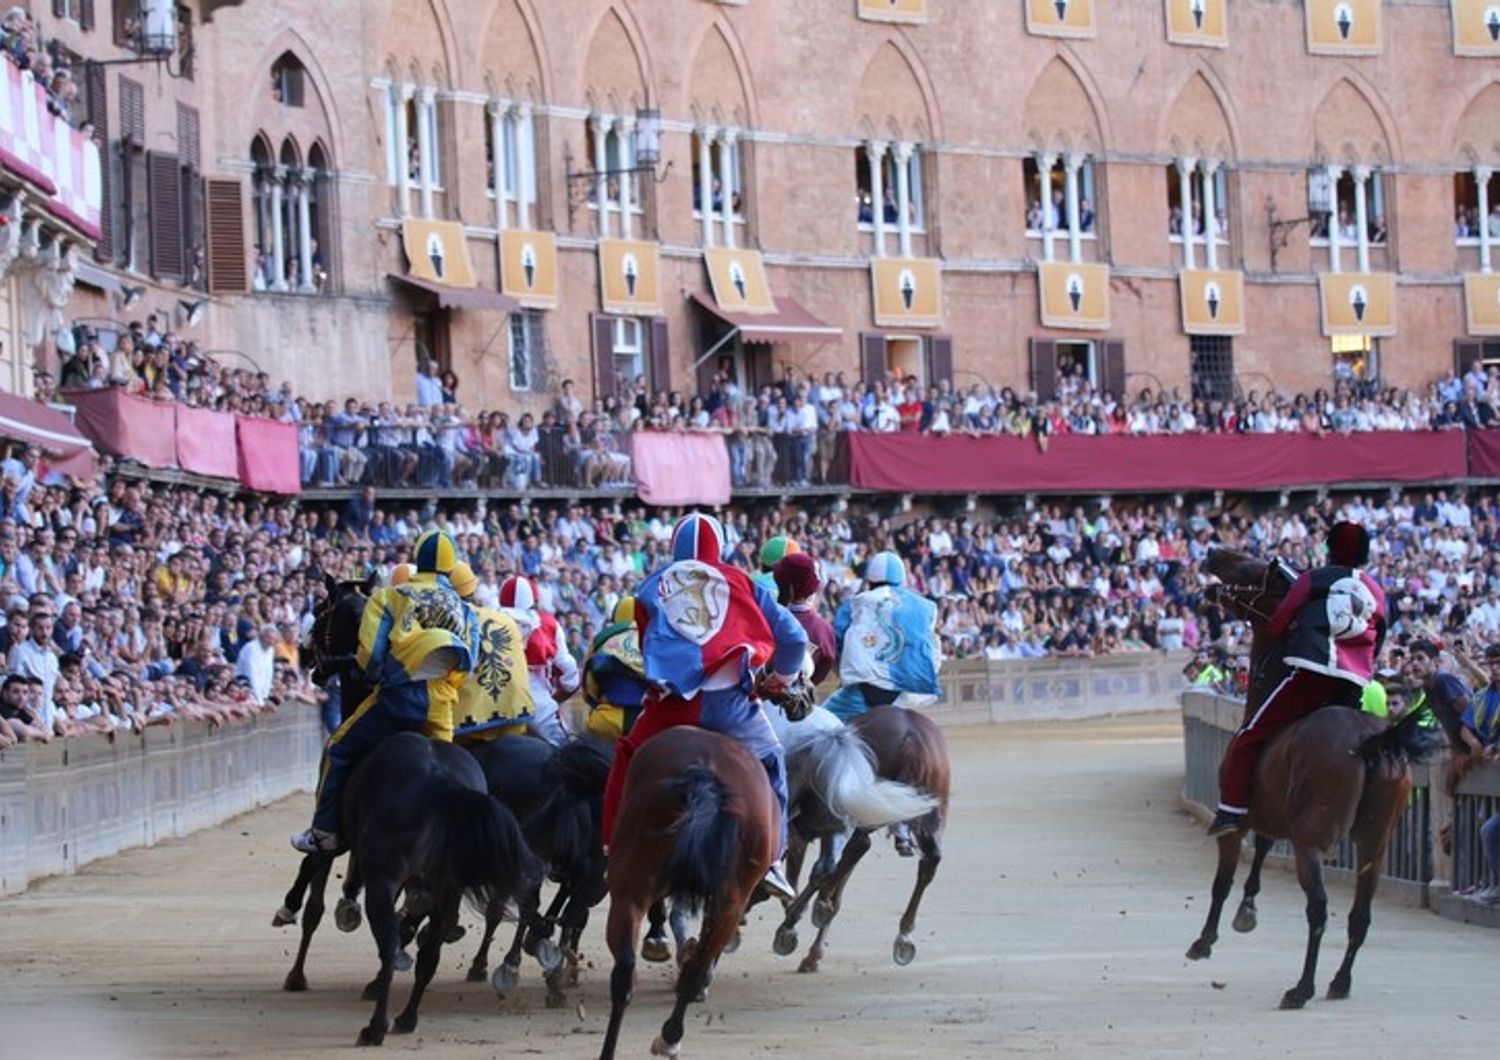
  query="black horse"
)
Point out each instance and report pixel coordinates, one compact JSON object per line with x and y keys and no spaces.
{"x":414,"y":810}
{"x":557,"y":794}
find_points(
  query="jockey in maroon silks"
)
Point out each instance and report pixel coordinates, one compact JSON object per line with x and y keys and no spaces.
{"x":797,"y":584}
{"x":1333,"y":623}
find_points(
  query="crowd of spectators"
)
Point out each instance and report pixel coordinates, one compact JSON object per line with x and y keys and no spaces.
{"x":22,"y":44}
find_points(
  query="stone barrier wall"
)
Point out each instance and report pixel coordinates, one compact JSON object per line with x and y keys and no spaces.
{"x":977,"y":691}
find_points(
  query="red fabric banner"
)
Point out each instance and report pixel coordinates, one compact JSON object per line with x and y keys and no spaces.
{"x":1484,"y":454}
{"x":122,"y":424}
{"x":913,"y":463}
{"x":268,"y":458}
{"x":678,"y":468}
{"x":206,"y":442}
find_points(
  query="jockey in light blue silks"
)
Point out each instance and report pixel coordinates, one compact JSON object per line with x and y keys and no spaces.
{"x":888,"y":643}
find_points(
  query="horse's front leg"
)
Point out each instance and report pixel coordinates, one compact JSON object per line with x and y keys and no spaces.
{"x":322,"y":864}
{"x":1310,"y":876}
{"x":1229,"y":857}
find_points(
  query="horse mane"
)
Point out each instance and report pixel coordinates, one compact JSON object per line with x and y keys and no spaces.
{"x":581,"y":767}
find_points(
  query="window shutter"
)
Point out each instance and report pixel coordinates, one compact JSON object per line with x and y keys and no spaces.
{"x":661,"y":356}
{"x":1044,"y":368}
{"x":1114,"y":367}
{"x":542,"y":208}
{"x":189,"y":137}
{"x":164,"y":203}
{"x":323,"y":228}
{"x":132,"y":112}
{"x":872,"y":361}
{"x":86,"y":15}
{"x":939,"y":360}
{"x":603,"y":328}
{"x":708,"y":368}
{"x":228,"y":269}
{"x":96,"y":91}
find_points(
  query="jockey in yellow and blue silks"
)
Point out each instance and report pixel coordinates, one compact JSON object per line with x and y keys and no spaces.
{"x":495,"y":699}
{"x":414,"y":648}
{"x":614,"y":677}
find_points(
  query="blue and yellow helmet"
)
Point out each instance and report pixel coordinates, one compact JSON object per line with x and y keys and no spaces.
{"x":435,"y":553}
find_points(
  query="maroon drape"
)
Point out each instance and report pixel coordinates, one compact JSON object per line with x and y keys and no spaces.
{"x":909,"y":463}
{"x":127,"y":425}
{"x":1484,"y":454}
{"x":206,"y":442}
{"x":268,"y":458}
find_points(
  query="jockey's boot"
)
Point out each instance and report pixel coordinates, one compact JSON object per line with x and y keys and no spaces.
{"x":315,"y":841}
{"x":1225,"y":822}
{"x":776,"y":884}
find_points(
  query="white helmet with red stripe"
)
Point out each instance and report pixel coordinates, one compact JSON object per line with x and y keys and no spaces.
{"x":519,"y":592}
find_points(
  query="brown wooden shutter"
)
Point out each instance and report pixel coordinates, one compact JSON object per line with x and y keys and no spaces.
{"x":324,"y":228}
{"x":939,"y":359}
{"x":661,"y":356}
{"x":189,"y":137}
{"x":164,"y":203}
{"x":228,"y":267}
{"x":86,"y":15}
{"x":872,"y":358}
{"x":132,"y":112}
{"x":1114,"y":367}
{"x":1044,"y":368}
{"x":125,"y":14}
{"x":1465,"y":353}
{"x":542,"y":218}
{"x":603,"y":329}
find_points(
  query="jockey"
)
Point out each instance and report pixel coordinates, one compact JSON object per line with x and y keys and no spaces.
{"x":495,"y":699}
{"x":890,"y":648}
{"x":705,"y":629}
{"x":614,"y":677}
{"x":554,"y":671}
{"x":772,"y":553}
{"x":414,"y":647}
{"x":1332,"y":622}
{"x":797,"y":585}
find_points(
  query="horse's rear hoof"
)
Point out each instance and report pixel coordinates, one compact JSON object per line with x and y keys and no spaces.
{"x":808,"y":966}
{"x":455,"y":934}
{"x":370,"y":1036}
{"x":904,"y":951}
{"x":660,"y":1047}
{"x":505,"y":979}
{"x":1244,"y":920}
{"x":1338,"y":990}
{"x":404,"y":1024}
{"x":656,"y":950}
{"x":548,"y":955}
{"x":346,"y":915}
{"x":478,"y":973}
{"x":283,"y":917}
{"x":556,"y":998}
{"x":785,"y":942}
{"x":1200,"y":950}
{"x":823,"y":913}
{"x":403,"y":961}
{"x":294,"y":983}
{"x":685,"y":954}
{"x":733,"y":944}
{"x":1293,"y":999}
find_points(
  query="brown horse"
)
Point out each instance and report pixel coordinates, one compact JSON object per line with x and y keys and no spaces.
{"x":1336,"y":772}
{"x":698,"y":825}
{"x":909,"y":748}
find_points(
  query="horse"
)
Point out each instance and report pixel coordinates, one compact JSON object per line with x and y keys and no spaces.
{"x":908,"y":749}
{"x":702,"y":830}
{"x":1336,"y":772}
{"x":557,"y":794}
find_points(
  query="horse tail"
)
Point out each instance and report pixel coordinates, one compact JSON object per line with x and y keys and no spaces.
{"x":1400,"y":744}
{"x":845,"y":768}
{"x":477,"y":845}
{"x":707,"y":840}
{"x":567,"y":826}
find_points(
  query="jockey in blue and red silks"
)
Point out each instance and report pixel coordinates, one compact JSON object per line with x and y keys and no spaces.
{"x":705,"y":628}
{"x":1333,"y":622}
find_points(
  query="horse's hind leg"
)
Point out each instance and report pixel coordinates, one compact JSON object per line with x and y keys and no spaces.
{"x":440,"y":925}
{"x":346,"y":914}
{"x":1310,"y":876}
{"x":721,"y":920}
{"x":1244,"y":917}
{"x":1370,"y":860}
{"x":380,"y":908}
{"x":656,"y":948}
{"x":932,"y":856}
{"x":833,"y":881}
{"x":508,"y":975}
{"x":291,"y":905}
{"x":317,"y":883}
{"x":1229,"y":857}
{"x":796,"y":850}
{"x":494,"y":911}
{"x":620,"y":932}
{"x":827,"y":891}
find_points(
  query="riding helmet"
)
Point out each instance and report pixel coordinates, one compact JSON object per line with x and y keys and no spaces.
{"x":518,"y":592}
{"x":401,"y":574}
{"x":698,"y":536}
{"x":885,"y":568}
{"x":435,"y":553}
{"x":624,"y":610}
{"x":777,"y":549}
{"x":463,"y":580}
{"x":1348,"y":545}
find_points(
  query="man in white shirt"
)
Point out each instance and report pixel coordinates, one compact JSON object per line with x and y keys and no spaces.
{"x":36,"y":656}
{"x":257,"y":663}
{"x":429,"y":387}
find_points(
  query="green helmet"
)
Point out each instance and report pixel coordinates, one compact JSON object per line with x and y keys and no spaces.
{"x":774,"y":550}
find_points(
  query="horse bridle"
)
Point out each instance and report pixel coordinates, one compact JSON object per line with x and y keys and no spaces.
{"x":1247,"y":597}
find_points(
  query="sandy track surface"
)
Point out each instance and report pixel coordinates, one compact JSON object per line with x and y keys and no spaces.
{"x":1071,"y":887}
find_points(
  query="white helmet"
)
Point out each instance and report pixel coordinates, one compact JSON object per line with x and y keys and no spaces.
{"x":1350,"y":607}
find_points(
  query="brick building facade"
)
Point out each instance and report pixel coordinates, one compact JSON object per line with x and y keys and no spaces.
{"x":1332,"y":147}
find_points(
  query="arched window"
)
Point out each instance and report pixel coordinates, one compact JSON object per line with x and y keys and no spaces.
{"x":290,"y":217}
{"x":288,"y":81}
{"x":266,"y":198}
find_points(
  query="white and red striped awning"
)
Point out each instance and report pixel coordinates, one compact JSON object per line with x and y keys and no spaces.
{"x":47,"y":153}
{"x":24,"y":420}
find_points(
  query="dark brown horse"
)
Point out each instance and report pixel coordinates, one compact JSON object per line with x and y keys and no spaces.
{"x":1336,"y":772}
{"x":909,"y":748}
{"x":698,"y":825}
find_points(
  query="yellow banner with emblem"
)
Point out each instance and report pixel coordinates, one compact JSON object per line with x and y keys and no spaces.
{"x":908,"y":292}
{"x":528,"y":267}
{"x":1074,"y":295}
{"x":892,"y":10}
{"x":1482,"y":302}
{"x":1213,"y":301}
{"x":630,"y":277}
{"x":497,"y":692}
{"x":436,"y":251}
{"x":1476,"y":27}
{"x":1060,"y":18}
{"x":1358,"y":303}
{"x":1343,"y":27}
{"x":1204,"y":23}
{"x":738,"y":279}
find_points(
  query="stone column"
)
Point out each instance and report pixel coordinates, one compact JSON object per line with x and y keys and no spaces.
{"x":525,"y":165}
{"x":1482,"y":176}
{"x":727,"y":181}
{"x":403,"y":160}
{"x":497,"y":181}
{"x":624,"y":131}
{"x":426,"y":113}
{"x":1049,"y":220}
{"x":1210,"y":216}
{"x":1335,"y":239}
{"x":305,"y":183}
{"x":1185,"y":193}
{"x":875,"y":151}
{"x":278,"y":231}
{"x":901,"y":153}
{"x":601,"y":182}
{"x":1362,"y":217}
{"x":706,"y":184}
{"x":1071,"y":164}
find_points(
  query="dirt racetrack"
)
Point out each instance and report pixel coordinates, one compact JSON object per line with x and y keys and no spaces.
{"x":1072,"y":885}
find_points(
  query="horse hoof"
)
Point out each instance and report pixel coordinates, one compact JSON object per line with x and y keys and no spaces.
{"x":1200,"y":950}
{"x":808,"y":965}
{"x":1244,"y":920}
{"x":556,"y":998}
{"x":369,"y":993}
{"x":505,"y":979}
{"x":685,"y":954}
{"x":404,"y":1024}
{"x":904,"y":951}
{"x":660,"y":1047}
{"x":785,"y":942}
{"x":548,"y":955}
{"x":656,"y":950}
{"x":370,"y":1036}
{"x":403,"y":961}
{"x":294,"y":983}
{"x":346,"y":915}
{"x":283,"y":917}
{"x":1293,"y":999}
{"x":478,"y":973}
{"x":822,"y":913}
{"x":456,"y":933}
{"x":733,"y":943}
{"x":1338,"y":990}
